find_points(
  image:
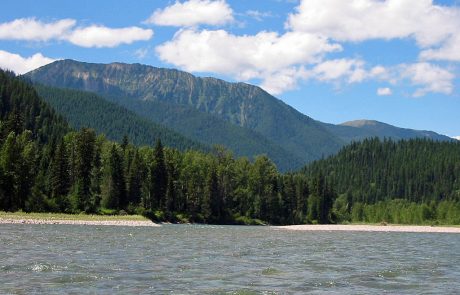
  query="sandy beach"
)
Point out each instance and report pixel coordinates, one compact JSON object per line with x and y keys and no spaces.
{"x":78,"y":222}
{"x":370,"y":228}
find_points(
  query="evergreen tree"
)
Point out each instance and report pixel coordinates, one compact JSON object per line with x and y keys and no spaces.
{"x":135,"y":176}
{"x":85,"y":144}
{"x":116,"y":195}
{"x":159,"y":177}
{"x":213,"y":196}
{"x":60,"y":177}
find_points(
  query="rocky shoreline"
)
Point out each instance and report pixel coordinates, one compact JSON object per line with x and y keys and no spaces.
{"x":145,"y":223}
{"x":370,"y":228}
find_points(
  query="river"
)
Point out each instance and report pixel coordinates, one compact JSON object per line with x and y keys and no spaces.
{"x":194,"y":259}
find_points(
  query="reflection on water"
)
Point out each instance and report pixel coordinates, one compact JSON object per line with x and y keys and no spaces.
{"x":184,"y":259}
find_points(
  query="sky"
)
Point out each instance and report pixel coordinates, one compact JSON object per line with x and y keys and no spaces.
{"x":395,"y":61}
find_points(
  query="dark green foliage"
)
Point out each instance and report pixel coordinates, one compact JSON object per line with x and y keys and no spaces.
{"x":116,"y":191}
{"x":21,"y":109}
{"x":210,"y":129}
{"x":84,"y":109}
{"x":136,"y":174}
{"x":377,"y":178}
{"x":416,"y":170}
{"x":60,"y":176}
{"x":158,"y":178}
{"x":85,"y":152}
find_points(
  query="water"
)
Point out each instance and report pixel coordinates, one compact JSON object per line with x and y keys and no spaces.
{"x":193,"y":259}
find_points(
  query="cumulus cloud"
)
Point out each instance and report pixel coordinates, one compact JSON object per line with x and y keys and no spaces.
{"x":384,"y":91}
{"x":280,"y":61}
{"x":30,"y":29}
{"x":359,"y":20}
{"x":99,"y":36}
{"x":243,"y":57}
{"x":352,"y":70}
{"x":456,"y":137}
{"x":428,"y":77}
{"x":22,"y":65}
{"x":450,"y":50}
{"x":434,"y":27}
{"x":285,"y":79}
{"x":192,"y":13}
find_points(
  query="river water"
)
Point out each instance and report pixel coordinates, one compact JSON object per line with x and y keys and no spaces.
{"x":194,"y":259}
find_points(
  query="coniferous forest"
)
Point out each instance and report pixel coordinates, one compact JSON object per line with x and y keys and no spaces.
{"x":47,"y":166}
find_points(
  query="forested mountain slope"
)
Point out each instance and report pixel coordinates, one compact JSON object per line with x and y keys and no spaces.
{"x":418,"y":170}
{"x":238,"y":103}
{"x":132,"y":118}
{"x":84,"y":109}
{"x":21,"y":109}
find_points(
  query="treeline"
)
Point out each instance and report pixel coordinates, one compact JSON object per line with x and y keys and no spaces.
{"x":80,"y":171}
{"x":84,"y":172}
{"x":409,"y":181}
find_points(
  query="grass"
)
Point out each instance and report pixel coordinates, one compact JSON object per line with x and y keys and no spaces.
{"x":62,"y":216}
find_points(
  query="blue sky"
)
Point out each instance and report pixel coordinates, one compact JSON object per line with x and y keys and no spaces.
{"x":395,"y":61}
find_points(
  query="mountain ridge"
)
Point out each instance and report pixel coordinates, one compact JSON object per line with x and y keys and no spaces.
{"x":240,"y":104}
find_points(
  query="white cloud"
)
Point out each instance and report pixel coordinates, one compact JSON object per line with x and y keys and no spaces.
{"x":428,"y":77}
{"x":192,"y":13}
{"x":456,"y":137}
{"x":434,"y":27}
{"x":450,"y":50}
{"x":384,"y":91}
{"x":243,"y":57}
{"x":283,"y":80}
{"x":141,"y":53}
{"x":31,"y":29}
{"x":332,"y":70}
{"x":100,"y":36}
{"x":359,"y":20}
{"x":258,"y":15}
{"x":22,"y":65}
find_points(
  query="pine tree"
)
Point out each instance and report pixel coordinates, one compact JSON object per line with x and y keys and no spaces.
{"x":60,"y":177}
{"x":135,"y":176}
{"x":213,"y":196}
{"x":85,"y":141}
{"x":159,"y":178}
{"x":116,"y":195}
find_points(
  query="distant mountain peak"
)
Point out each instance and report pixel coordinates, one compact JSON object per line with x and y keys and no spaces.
{"x":362,"y":123}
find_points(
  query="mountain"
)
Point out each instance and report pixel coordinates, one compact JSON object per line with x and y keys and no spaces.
{"x":128,"y":117}
{"x":360,"y":129}
{"x":240,"y":104}
{"x":83,"y":109}
{"x":242,"y":117}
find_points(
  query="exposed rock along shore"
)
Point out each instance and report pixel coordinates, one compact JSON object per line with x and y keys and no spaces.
{"x":370,"y":228}
{"x":78,"y":222}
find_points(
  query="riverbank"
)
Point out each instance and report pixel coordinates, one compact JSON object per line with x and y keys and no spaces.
{"x":370,"y":228}
{"x":74,"y":219}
